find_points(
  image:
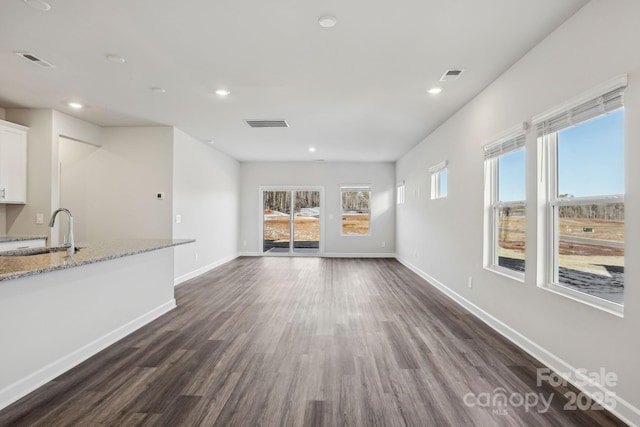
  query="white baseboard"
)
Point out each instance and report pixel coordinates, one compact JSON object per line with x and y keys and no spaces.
{"x":26,"y":385}
{"x":358,"y":255}
{"x":202,"y":270}
{"x":329,"y":255}
{"x":622,"y":409}
{"x":249,"y":254}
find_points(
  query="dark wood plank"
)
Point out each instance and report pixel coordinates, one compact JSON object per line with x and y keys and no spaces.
{"x":301,"y":341}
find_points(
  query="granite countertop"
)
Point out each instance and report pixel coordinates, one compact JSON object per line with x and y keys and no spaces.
{"x":14,"y":267}
{"x":20,"y":238}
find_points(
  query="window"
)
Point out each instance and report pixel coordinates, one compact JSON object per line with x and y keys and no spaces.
{"x":505,"y":210}
{"x":582,"y":161}
{"x":400,"y":194}
{"x":355,"y":210}
{"x":438,"y":180}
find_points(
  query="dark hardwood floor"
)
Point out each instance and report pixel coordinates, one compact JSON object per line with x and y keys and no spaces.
{"x":303,"y":341}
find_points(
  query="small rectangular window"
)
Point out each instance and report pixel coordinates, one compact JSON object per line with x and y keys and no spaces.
{"x":400,"y":194}
{"x":355,"y":210}
{"x":583,"y":195}
{"x":505,"y":208}
{"x":439,"y":180}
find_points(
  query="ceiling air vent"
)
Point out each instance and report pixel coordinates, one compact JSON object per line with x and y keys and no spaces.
{"x":267,"y":123}
{"x":451,"y":75}
{"x":35,"y":60}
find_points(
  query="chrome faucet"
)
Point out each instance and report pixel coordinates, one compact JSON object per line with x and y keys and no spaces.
{"x":71,"y":249}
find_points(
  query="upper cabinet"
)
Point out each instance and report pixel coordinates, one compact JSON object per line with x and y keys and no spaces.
{"x":13,"y":163}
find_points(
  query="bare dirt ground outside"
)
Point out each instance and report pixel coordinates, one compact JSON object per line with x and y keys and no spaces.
{"x":355,"y":224}
{"x":307,"y":228}
{"x":598,"y":249}
{"x":276,"y":228}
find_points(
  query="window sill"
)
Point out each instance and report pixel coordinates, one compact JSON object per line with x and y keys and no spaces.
{"x":518,"y":277}
{"x":595,"y":302}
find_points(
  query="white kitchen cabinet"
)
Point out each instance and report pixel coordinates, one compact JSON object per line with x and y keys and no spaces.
{"x":13,"y":163}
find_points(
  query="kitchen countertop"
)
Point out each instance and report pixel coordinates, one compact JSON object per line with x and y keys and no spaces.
{"x":20,"y":238}
{"x":14,"y":267}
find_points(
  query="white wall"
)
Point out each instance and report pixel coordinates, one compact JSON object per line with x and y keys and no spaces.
{"x":3,"y":212}
{"x":443,"y":238}
{"x":330,"y":176}
{"x":76,"y":189}
{"x":121,"y":182}
{"x":42,"y":162}
{"x":206,"y":186}
{"x":3,"y":220}
{"x":21,"y":219}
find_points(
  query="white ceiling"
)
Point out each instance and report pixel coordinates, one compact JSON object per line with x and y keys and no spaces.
{"x":356,"y":92}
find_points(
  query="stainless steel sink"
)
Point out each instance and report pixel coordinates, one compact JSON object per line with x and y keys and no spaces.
{"x":35,"y":251}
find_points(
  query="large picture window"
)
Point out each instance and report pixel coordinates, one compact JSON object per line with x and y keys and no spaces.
{"x":355,"y":210}
{"x":505,"y":209}
{"x":583,"y":169}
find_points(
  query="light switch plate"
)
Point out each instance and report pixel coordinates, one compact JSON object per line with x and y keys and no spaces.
{"x":178,"y":218}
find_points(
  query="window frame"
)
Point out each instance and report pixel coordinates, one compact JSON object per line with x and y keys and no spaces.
{"x":493,"y":203}
{"x":350,"y":189}
{"x":548,"y":235}
{"x":400,"y":189}
{"x":436,"y":172}
{"x":549,"y":239}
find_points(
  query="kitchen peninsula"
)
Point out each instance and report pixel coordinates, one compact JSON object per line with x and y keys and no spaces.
{"x":58,"y":310}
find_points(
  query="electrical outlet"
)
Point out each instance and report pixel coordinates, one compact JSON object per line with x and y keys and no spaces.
{"x":178,"y":218}
{"x":39,"y":218}
{"x":384,"y":243}
{"x":195,"y":256}
{"x":470,"y":282}
{"x":244,"y":243}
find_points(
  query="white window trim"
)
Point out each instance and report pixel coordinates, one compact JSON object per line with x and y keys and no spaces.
{"x":493,"y":205}
{"x":435,"y":172}
{"x":548,"y":235}
{"x":400,"y":190}
{"x":356,"y":187}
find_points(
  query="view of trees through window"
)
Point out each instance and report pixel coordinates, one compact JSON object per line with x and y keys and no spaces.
{"x":278,"y":219}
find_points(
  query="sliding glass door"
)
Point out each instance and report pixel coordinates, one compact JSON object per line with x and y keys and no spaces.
{"x":291,"y":221}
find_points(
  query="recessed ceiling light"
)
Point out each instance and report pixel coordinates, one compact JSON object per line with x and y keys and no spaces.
{"x":312,"y":149}
{"x":222,"y":92}
{"x":435,"y":90}
{"x":158,"y":89}
{"x":115,"y":58}
{"x":327,"y":21}
{"x":38,"y":4}
{"x":75,"y":105}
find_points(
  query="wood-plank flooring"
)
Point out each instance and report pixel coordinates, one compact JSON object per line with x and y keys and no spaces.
{"x":301,"y":341}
